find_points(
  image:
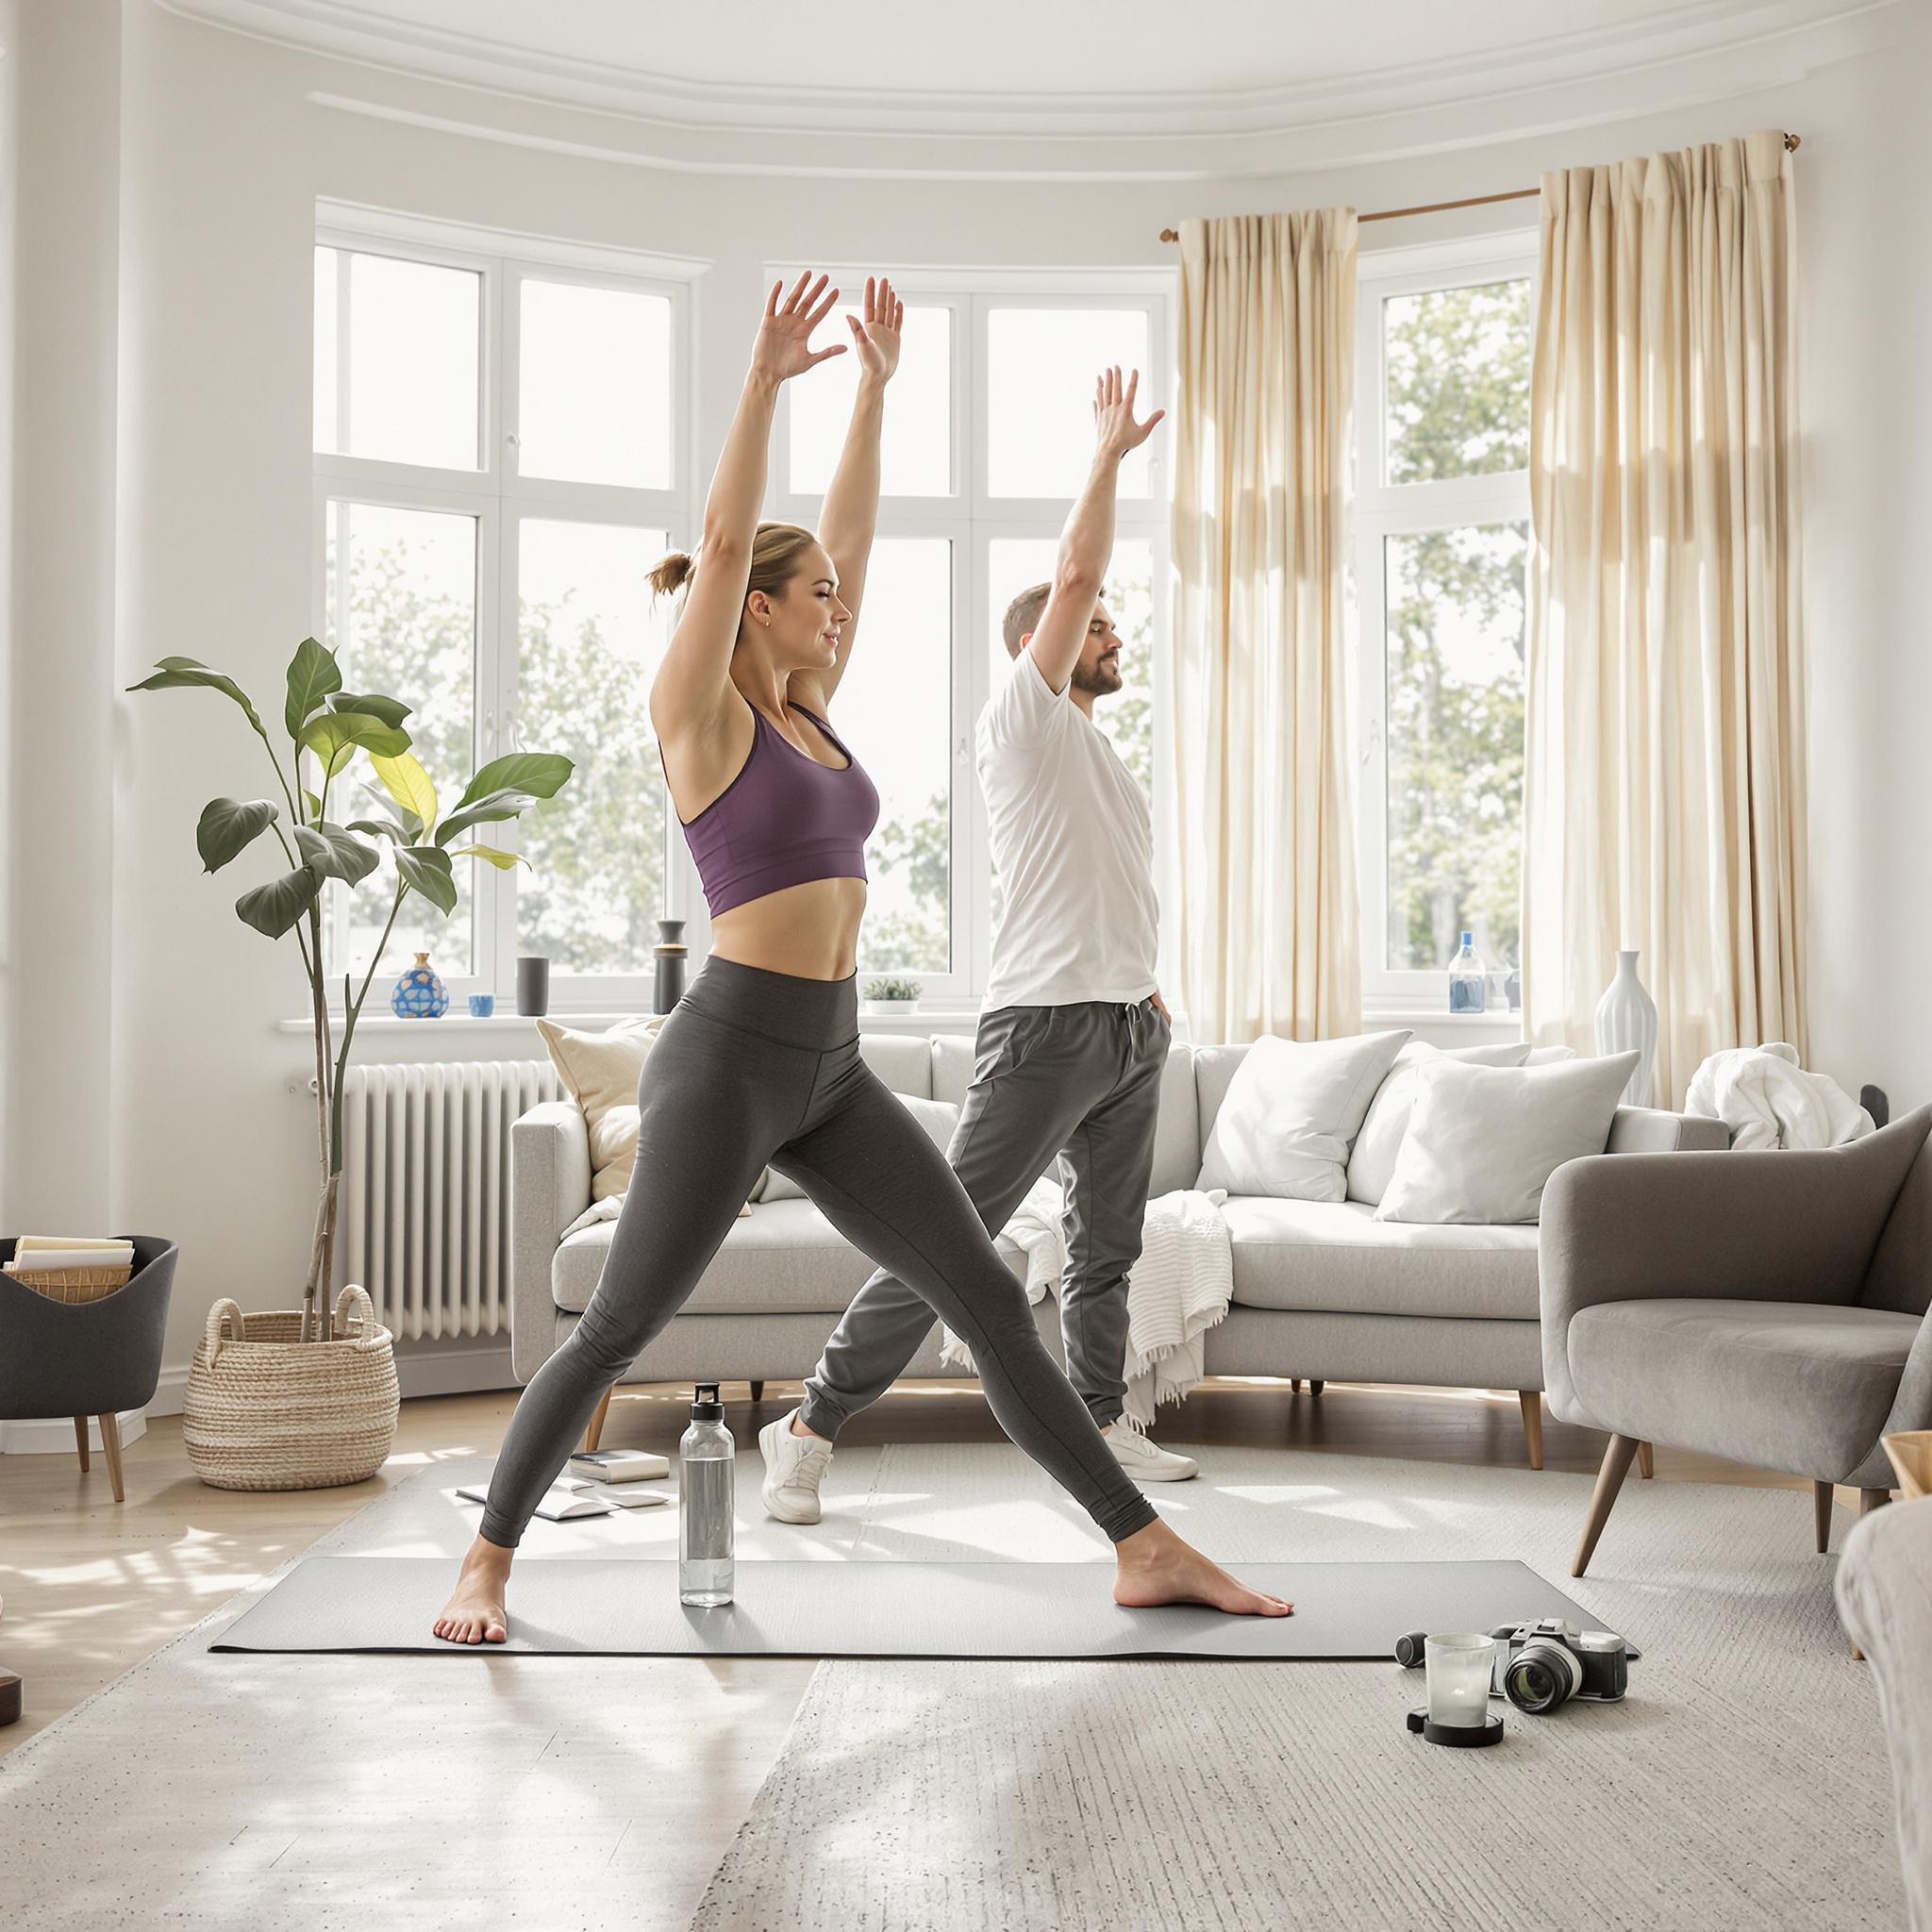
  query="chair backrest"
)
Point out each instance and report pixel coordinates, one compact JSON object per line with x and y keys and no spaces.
{"x":1899,"y":1277}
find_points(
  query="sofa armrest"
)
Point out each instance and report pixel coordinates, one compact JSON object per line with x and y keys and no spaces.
{"x":1650,"y":1130}
{"x":549,"y":1186}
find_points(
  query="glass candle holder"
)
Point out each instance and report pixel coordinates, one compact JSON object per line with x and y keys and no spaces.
{"x":1459,"y":1669}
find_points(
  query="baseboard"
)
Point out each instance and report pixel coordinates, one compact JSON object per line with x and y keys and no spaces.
{"x":54,"y":1435}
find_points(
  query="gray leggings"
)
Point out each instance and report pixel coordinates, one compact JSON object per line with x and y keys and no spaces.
{"x":755,"y":1067}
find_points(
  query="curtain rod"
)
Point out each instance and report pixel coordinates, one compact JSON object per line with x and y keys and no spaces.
{"x":1792,"y":141}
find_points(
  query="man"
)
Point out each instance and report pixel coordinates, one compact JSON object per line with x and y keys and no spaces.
{"x":1073,"y":1035}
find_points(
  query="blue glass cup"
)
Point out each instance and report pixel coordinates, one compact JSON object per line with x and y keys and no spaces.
{"x":482,"y":1005}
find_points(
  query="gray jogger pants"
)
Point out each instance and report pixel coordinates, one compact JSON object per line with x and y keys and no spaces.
{"x":755,"y":1067}
{"x":1082,"y":1082}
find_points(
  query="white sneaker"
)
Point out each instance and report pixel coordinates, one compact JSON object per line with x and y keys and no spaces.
{"x":795,"y":1467}
{"x":1145,"y":1461}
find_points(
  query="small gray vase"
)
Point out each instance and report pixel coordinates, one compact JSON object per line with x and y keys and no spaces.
{"x":1627,"y":1018}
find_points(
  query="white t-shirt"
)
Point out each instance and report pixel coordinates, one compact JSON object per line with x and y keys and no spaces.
{"x":1073,"y":841}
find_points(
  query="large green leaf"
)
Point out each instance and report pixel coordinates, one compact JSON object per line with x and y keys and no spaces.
{"x":486,"y":811}
{"x":539,"y":772}
{"x":334,"y":852}
{"x":275,"y":908}
{"x":313,"y":802}
{"x":227,"y":825}
{"x":426,"y":869}
{"x":502,"y":860}
{"x":390,"y":711}
{"x":333,"y":737}
{"x":380,"y":828}
{"x":181,"y":673}
{"x":312,"y":675}
{"x":408,"y":784}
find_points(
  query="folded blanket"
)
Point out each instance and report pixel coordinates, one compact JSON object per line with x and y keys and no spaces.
{"x":1768,"y":1100}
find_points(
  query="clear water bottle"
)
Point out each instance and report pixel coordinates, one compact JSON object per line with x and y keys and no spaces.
{"x":1466,"y":979}
{"x":706,"y":1457}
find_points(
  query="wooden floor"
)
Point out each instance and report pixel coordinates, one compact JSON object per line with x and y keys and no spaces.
{"x":91,"y":1587}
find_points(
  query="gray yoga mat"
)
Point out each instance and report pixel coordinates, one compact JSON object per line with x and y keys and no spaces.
{"x":604,"y":1606}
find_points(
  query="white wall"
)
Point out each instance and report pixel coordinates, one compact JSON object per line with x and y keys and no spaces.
{"x":169,"y":1007}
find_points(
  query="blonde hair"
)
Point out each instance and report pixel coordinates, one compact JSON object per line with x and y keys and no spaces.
{"x":775,"y":552}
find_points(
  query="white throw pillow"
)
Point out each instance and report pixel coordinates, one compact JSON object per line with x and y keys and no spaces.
{"x":938,"y":1117}
{"x":1291,"y":1113}
{"x":1548,"y":1055}
{"x":1372,"y":1160}
{"x":1483,"y":1141}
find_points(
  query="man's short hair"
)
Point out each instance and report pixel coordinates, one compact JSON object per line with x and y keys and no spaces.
{"x":1023,"y":616}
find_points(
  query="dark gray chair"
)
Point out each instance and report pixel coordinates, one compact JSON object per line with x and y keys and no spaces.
{"x":87,"y":1358}
{"x":1766,"y":1307}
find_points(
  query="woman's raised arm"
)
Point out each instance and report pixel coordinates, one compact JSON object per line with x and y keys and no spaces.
{"x":688,"y":691}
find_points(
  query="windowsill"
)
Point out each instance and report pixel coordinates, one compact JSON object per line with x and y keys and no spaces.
{"x":927,"y":1017}
{"x":1410,"y":1016}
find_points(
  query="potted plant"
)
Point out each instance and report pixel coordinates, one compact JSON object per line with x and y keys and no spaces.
{"x":888,"y":996}
{"x":282,"y":1400}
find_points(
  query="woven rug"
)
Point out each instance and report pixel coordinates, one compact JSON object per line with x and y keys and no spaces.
{"x":1741,"y":1785}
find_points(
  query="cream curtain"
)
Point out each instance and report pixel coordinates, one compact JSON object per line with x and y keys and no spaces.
{"x":1263,"y":790}
{"x":1663,"y":797}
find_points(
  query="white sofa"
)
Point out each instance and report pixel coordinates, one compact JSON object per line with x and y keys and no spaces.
{"x":1322,"y":1290}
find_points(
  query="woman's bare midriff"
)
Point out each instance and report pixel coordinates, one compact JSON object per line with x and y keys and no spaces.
{"x":810,"y":931}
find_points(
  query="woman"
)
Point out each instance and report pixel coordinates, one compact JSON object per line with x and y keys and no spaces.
{"x":760,"y":1062}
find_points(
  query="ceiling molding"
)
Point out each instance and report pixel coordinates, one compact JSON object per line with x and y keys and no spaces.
{"x":1690,"y":34}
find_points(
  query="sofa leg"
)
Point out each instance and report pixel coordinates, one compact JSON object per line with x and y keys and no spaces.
{"x":1870,"y":1500}
{"x":1610,"y":1479}
{"x":595,"y":1434}
{"x":110,"y":1441}
{"x":1532,"y":1404}
{"x":757,"y":1389}
{"x":1646,"y":1461}
{"x":80,"y":1441}
{"x":1316,"y":1387}
{"x":1294,"y":1384}
{"x":1822,"y":1496}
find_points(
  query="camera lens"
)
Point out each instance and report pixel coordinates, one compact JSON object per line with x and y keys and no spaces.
{"x":1540,"y":1678}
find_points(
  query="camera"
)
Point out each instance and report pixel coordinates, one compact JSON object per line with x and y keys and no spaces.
{"x":1542,"y":1665}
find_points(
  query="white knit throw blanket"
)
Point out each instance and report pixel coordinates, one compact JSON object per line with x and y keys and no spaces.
{"x":1179,"y":1289}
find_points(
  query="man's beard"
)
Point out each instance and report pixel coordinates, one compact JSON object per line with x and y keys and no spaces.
{"x":1103,"y":679}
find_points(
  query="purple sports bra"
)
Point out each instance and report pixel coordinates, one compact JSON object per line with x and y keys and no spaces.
{"x":784,"y":819}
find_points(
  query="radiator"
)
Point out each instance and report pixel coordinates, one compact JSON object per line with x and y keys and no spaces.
{"x":423,"y":1219}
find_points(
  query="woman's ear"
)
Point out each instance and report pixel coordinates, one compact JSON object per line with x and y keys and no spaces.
{"x":757,"y":606}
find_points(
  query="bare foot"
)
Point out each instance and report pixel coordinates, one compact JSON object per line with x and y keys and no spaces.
{"x":1157,"y":1567}
{"x":474,"y":1611}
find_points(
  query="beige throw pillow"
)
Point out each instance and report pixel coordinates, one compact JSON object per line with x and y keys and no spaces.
{"x":601,"y":1072}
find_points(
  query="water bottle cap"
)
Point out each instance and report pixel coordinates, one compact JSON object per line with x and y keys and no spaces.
{"x":1468,"y":938}
{"x":706,"y":1408}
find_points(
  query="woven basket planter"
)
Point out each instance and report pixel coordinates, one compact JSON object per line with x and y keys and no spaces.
{"x":267,"y":1410}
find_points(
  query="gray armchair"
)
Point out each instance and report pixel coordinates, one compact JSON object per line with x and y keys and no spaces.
{"x":1766,"y":1307}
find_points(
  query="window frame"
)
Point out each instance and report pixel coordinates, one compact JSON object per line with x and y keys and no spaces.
{"x":1384,"y":510}
{"x":973,"y":520}
{"x":499,"y":500}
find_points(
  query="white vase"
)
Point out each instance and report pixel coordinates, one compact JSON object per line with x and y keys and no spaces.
{"x":1627,"y":1018}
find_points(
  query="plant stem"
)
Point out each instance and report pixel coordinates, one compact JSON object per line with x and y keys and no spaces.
{"x":315,"y":1318}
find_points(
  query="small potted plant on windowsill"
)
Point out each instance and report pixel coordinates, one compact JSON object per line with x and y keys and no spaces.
{"x":884,"y":997}
{"x":282,"y":1401}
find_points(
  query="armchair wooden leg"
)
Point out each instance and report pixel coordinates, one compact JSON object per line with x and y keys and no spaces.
{"x":1870,"y":1500}
{"x":80,"y":1441}
{"x":110,"y":1441}
{"x":595,"y":1434}
{"x":1646,"y":1462}
{"x":1532,"y":1403}
{"x":1822,"y":1494}
{"x":1610,"y":1479}
{"x":757,"y":1389}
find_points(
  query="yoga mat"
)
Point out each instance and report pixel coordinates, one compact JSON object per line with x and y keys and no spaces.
{"x":604,"y":1606}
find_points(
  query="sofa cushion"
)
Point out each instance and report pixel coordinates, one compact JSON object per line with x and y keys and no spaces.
{"x":1372,"y":1160}
{"x":1335,"y":1257}
{"x":937,"y":1117}
{"x":1803,"y":1386}
{"x":782,"y":1258}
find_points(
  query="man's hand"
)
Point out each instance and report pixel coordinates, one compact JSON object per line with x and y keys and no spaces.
{"x":1160,"y":1005}
{"x":875,"y":341}
{"x":1113,"y":413}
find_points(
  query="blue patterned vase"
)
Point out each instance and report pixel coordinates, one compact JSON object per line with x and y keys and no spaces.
{"x":418,"y":994}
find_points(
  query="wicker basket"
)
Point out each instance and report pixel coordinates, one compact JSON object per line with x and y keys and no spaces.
{"x":1910,"y":1451}
{"x":267,"y":1410}
{"x":74,"y":1285}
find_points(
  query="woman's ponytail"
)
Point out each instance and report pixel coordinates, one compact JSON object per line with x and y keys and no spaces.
{"x":672,"y":575}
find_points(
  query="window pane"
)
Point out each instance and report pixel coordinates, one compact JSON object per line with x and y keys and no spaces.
{"x":895,"y":709}
{"x":1458,"y":381}
{"x":589,"y":643}
{"x":1454,"y":802}
{"x":413,"y":358}
{"x":402,"y":621}
{"x":916,"y":447}
{"x":1040,"y":368}
{"x":593,"y":374}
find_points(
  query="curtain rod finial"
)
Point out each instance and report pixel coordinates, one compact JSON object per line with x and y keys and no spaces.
{"x":1793,"y":143}
{"x":1170,"y":234}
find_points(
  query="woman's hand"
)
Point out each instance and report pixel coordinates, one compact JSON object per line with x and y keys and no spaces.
{"x":783,"y":349}
{"x":875,"y":341}
{"x":1113,"y":413}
